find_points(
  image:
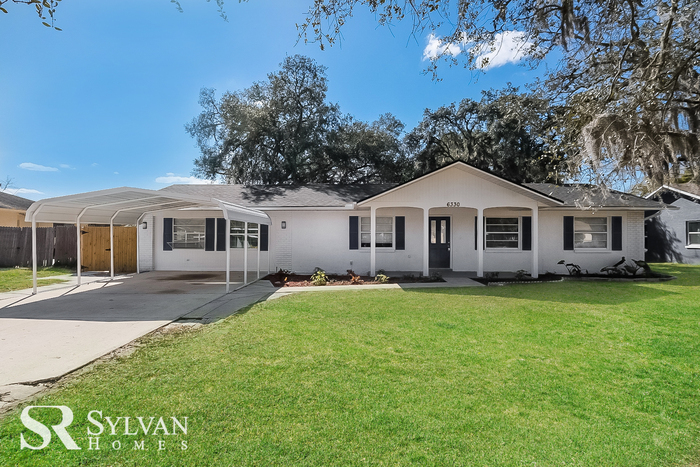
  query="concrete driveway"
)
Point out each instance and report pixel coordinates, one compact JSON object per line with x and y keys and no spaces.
{"x":45,"y":336}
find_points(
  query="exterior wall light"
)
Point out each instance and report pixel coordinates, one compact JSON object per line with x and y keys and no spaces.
{"x":284,"y":224}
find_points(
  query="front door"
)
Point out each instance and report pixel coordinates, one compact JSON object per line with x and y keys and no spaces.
{"x":439,"y":238}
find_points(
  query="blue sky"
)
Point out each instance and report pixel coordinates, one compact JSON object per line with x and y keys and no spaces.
{"x":103,"y":103}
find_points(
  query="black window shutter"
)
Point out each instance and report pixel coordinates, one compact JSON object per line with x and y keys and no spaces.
{"x":476,"y":232}
{"x":354,"y":232}
{"x":400,"y":232}
{"x":220,"y":234}
{"x":209,"y":226}
{"x":527,"y":233}
{"x":617,"y":233}
{"x":264,"y":236}
{"x":568,"y":232}
{"x":167,"y":234}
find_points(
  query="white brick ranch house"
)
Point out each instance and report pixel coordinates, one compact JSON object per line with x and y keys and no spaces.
{"x":457,"y":218}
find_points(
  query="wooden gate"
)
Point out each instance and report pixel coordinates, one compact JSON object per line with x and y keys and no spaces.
{"x":95,"y":248}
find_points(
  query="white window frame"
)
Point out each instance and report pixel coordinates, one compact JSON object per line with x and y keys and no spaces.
{"x":688,"y":233}
{"x":393,"y":233}
{"x":608,"y":232}
{"x":203,"y":235}
{"x":503,"y":248}
{"x":252,"y":237}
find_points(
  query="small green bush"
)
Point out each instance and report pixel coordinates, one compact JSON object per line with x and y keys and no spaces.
{"x":381,"y":278}
{"x":319,"y":277}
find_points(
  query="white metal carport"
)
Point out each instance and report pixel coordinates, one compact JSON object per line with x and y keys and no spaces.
{"x":127,"y":205}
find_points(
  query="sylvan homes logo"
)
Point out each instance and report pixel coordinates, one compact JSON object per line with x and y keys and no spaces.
{"x":144,"y":432}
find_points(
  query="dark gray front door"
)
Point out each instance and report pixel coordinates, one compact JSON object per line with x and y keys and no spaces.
{"x":439,"y":238}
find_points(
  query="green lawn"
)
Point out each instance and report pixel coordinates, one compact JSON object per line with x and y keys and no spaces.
{"x":589,"y":374}
{"x":21,"y":278}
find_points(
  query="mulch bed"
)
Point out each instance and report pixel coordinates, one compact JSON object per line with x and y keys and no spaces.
{"x":304,"y":280}
{"x":653,"y":277}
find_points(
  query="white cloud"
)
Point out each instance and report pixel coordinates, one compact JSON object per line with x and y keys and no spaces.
{"x":507,"y":47}
{"x":172,"y":178}
{"x":436,"y":48}
{"x":66,"y":166}
{"x":116,"y":173}
{"x":37,"y":167}
{"x":22,"y":191}
{"x":94,"y":164}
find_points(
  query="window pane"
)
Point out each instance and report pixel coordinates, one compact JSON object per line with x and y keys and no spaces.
{"x":236,"y":241}
{"x":591,"y":225}
{"x":501,"y":244}
{"x":433,"y":233}
{"x":694,"y":238}
{"x":237,"y":227}
{"x":502,"y":232}
{"x":694,"y":227}
{"x":591,"y":240}
{"x":501,"y":220}
{"x":590,"y":232}
{"x":365,"y":239}
{"x":188,"y":233}
{"x":365,"y":224}
{"x":443,"y":231}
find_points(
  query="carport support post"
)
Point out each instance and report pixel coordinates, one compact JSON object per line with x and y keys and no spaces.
{"x":228,"y":255}
{"x":245,"y":253}
{"x":111,"y":245}
{"x":535,"y":240}
{"x":259,"y":250}
{"x":34,"y":254}
{"x":480,"y":241}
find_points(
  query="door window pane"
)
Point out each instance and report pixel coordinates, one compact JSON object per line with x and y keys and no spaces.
{"x":443,"y":231}
{"x":433,"y":233}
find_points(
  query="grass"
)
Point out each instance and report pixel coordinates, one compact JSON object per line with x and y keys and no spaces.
{"x":583,"y":374}
{"x":21,"y":278}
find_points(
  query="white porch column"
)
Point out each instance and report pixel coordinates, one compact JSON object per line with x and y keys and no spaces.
{"x":480,"y":241}
{"x":426,"y":241}
{"x":245,"y":253}
{"x":34,"y":254}
{"x":535,"y":243}
{"x":373,"y":242}
{"x":228,"y":255}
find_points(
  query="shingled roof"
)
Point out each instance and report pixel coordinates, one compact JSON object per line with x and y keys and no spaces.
{"x":261,"y":196}
{"x":579,"y":195}
{"x":8,"y":201}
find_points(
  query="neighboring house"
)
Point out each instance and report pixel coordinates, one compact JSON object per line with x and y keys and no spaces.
{"x":13,"y":209}
{"x":673,"y":235}
{"x":456,"y":218}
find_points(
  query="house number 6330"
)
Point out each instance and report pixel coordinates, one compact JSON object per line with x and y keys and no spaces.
{"x":453,"y":204}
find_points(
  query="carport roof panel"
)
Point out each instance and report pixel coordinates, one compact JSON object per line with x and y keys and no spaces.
{"x":99,"y":206}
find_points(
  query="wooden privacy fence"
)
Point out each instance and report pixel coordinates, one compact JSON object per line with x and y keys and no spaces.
{"x":57,"y":246}
{"x":95,"y":249}
{"x":54,"y":245}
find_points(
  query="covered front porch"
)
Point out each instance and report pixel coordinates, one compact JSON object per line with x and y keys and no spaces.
{"x":453,"y":238}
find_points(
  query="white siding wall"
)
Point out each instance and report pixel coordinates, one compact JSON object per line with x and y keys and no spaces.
{"x":146,"y":244}
{"x":321,"y":238}
{"x":552,"y":241}
{"x":198,"y":260}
